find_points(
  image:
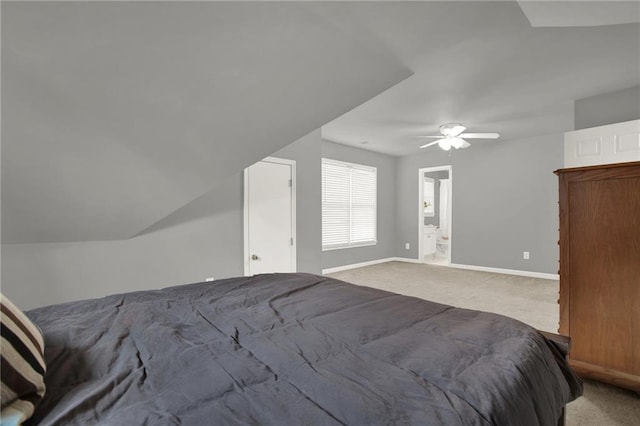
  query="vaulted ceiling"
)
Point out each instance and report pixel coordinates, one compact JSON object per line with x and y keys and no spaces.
{"x":116,"y":114}
{"x":489,"y":66}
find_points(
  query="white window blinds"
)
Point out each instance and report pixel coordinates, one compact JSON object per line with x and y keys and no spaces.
{"x":348,"y":204}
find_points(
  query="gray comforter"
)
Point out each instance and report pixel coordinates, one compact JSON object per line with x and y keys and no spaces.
{"x":293,"y":349}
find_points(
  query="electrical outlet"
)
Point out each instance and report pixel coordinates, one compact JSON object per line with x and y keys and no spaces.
{"x":525,"y":255}
{"x":209,"y":279}
{"x":407,"y":246}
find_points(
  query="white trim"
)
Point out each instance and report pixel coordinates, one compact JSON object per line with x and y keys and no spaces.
{"x":611,"y":143}
{"x":453,"y":265}
{"x":421,"y":173}
{"x":369,"y":263}
{"x":294,"y":250}
{"x":507,"y":271}
{"x":245,"y":225}
{"x":405,"y":259}
{"x":356,"y":265}
{"x":354,"y":245}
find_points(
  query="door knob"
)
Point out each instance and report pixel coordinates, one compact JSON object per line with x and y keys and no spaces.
{"x":254,"y":257}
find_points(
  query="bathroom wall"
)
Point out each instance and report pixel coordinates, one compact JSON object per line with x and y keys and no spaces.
{"x":436,"y":176}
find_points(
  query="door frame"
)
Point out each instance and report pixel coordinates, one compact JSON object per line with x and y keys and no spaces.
{"x":421,"y":173}
{"x":294,"y":245}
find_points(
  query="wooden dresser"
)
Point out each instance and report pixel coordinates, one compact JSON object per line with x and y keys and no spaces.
{"x":600,"y":271}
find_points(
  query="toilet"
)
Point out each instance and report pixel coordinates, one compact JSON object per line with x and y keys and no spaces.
{"x":442,"y":242}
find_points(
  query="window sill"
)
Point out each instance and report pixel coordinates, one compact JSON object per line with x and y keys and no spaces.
{"x":370,"y":243}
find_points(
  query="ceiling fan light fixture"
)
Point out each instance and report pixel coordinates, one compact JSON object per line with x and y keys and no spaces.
{"x":445,"y":144}
{"x":456,"y":142}
{"x":453,"y":137}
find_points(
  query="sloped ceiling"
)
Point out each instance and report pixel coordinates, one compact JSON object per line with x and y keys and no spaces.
{"x":115,"y":114}
{"x":484,"y":65}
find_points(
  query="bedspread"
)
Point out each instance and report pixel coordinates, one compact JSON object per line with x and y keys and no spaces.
{"x":293,"y":349}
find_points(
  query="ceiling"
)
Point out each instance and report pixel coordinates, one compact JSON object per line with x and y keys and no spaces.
{"x":484,"y":65}
{"x":116,"y":114}
{"x":580,"y":13}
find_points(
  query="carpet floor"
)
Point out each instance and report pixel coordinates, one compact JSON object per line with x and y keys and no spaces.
{"x":530,"y":300}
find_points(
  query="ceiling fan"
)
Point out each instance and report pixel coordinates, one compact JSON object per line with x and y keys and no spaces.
{"x":452,"y":137}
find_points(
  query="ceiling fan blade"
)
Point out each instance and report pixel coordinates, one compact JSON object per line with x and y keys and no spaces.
{"x":465,"y":144}
{"x":427,"y":145}
{"x":480,"y":135}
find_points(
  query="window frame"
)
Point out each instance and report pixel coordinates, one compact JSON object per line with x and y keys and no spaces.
{"x":351,"y":166}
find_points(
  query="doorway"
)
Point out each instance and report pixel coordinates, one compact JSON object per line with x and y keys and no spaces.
{"x":270,"y":217}
{"x":434,"y":218}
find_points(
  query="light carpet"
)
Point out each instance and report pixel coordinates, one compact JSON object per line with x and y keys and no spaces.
{"x":530,"y":300}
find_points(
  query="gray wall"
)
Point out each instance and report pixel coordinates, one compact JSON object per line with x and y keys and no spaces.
{"x":386,"y":215}
{"x":202,"y":239}
{"x":407,"y":197}
{"x":504,"y":202}
{"x":608,"y":108}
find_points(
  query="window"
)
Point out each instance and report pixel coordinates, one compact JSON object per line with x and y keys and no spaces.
{"x":348,"y":204}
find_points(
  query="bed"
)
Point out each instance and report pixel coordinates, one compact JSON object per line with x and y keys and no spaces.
{"x":293,"y":349}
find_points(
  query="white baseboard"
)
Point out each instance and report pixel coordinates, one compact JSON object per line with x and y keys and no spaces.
{"x":356,"y":265}
{"x":369,"y":263}
{"x":404,"y":259}
{"x":506,"y":271}
{"x":453,"y":265}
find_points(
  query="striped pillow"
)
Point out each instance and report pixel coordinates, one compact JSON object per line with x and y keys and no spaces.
{"x":22,"y":350}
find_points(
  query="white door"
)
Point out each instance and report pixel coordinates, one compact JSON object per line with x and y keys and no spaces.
{"x":269,"y":208}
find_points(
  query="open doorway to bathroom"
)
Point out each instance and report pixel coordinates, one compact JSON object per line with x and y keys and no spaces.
{"x":434,"y":205}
